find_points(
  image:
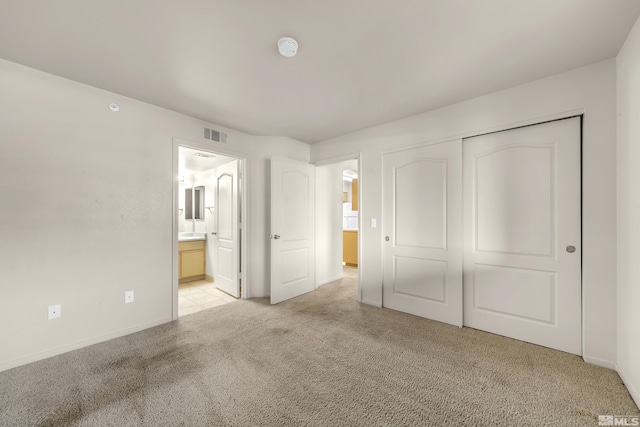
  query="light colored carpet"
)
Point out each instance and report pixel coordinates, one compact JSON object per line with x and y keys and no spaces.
{"x":318,"y":360}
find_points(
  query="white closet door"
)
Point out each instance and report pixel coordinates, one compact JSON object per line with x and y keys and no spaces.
{"x":522,"y":259}
{"x":422,"y":225}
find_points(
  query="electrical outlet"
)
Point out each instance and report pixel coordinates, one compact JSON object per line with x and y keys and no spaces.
{"x":55,"y":311}
{"x":128,"y":297}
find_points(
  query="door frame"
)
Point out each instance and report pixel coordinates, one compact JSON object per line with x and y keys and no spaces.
{"x":245,"y":249}
{"x":333,"y":160}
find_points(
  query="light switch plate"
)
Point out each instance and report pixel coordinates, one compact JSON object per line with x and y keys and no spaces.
{"x":373,"y":223}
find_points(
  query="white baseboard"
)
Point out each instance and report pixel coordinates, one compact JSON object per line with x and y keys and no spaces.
{"x":374,"y":303}
{"x":633,"y":391}
{"x":600,"y":362}
{"x":324,"y":282}
{"x":77,"y":345}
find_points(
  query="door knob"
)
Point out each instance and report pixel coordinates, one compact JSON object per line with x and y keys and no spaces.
{"x":213,"y":233}
{"x":277,"y":236}
{"x":571,"y":249}
{"x":386,"y":238}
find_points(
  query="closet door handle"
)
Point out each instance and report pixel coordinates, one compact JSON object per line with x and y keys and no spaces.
{"x":277,"y":236}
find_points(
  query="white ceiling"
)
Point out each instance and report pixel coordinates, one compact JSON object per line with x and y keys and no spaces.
{"x":360,"y":62}
{"x":190,"y":162}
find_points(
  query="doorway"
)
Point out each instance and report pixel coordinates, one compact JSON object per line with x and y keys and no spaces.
{"x":350,"y":209}
{"x":307,"y":226}
{"x":208,"y":244}
{"x":338,"y":213}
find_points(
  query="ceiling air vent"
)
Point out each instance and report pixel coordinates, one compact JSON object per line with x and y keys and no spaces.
{"x":215,"y":135}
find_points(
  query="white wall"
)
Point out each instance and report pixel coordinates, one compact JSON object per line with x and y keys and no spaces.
{"x":86,"y":212}
{"x":348,"y":188}
{"x":629,"y":212}
{"x":592,"y":89}
{"x":329,"y":186}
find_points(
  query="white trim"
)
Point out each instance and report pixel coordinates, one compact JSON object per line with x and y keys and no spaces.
{"x":333,"y":279}
{"x":600,"y":362}
{"x":78,"y":345}
{"x":245,"y":242}
{"x":175,"y":228}
{"x":373,"y":303}
{"x":360,"y":223}
{"x":635,"y":394}
{"x":315,"y":229}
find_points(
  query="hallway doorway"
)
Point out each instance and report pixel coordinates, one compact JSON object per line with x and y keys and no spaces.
{"x":338,"y":221}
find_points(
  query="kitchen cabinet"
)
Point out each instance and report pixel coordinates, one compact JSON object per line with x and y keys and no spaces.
{"x":350,"y":247}
{"x":354,"y":195}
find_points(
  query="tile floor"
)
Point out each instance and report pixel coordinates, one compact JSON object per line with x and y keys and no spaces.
{"x":348,"y":271}
{"x":200,"y":295}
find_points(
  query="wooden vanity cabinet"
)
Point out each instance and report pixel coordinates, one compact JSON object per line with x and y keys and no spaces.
{"x":191,"y":259}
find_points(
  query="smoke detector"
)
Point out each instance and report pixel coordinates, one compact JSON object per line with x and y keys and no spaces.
{"x":287,"y":47}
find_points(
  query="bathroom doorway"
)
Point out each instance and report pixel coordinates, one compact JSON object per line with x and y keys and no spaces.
{"x":208,"y":228}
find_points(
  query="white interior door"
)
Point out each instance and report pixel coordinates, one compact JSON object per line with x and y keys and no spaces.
{"x":292,"y":228}
{"x":422,"y":225}
{"x":227,"y":253}
{"x":522,"y":234}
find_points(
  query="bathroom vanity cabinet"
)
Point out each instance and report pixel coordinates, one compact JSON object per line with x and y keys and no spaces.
{"x":191,"y":260}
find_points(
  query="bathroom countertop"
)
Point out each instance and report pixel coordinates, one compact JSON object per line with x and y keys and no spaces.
{"x":190,"y":237}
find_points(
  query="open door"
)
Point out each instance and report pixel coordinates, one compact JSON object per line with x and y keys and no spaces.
{"x":292,"y":228}
{"x":226,"y":234}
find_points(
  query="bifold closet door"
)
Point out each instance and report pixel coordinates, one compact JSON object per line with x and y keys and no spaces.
{"x":422,"y":226}
{"x":522,"y":257}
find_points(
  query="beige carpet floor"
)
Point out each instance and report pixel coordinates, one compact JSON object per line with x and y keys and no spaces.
{"x":321,"y":359}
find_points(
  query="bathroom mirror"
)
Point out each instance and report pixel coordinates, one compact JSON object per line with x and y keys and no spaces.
{"x":194,"y":203}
